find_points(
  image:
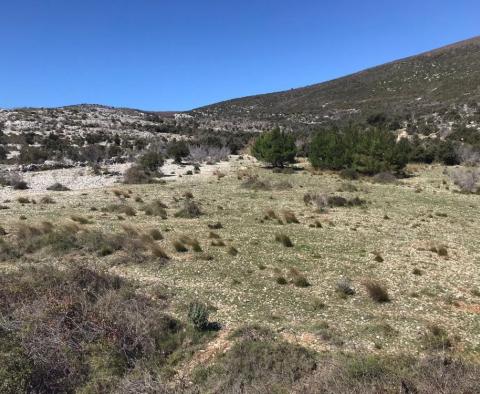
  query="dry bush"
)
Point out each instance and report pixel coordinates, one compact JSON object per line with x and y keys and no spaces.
{"x":377,"y":291}
{"x":137,"y":175}
{"x":158,"y":252}
{"x":47,"y":200}
{"x":297,"y":278}
{"x":155,"y":208}
{"x":215,"y":226}
{"x":439,"y":249}
{"x":232,"y":251}
{"x":344,"y":287}
{"x":155,"y":234}
{"x":14,"y":179}
{"x":213,"y":235}
{"x":252,"y":182}
{"x":120,"y":208}
{"x":385,"y":178}
{"x":58,"y":187}
{"x":67,"y":321}
{"x":190,"y":210}
{"x":284,"y":240}
{"x":468,"y":180}
{"x":80,"y":219}
{"x":192,"y":242}
{"x":468,"y":155}
{"x":323,"y":201}
{"x":201,"y":153}
{"x":217,"y":242}
{"x":283,"y":185}
{"x":179,"y":246}
{"x":270,"y":214}
{"x":289,"y":216}
{"x":23,"y":200}
{"x":436,"y":338}
{"x":120,"y":193}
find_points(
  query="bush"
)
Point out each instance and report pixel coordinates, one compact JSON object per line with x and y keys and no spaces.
{"x":344,"y":288}
{"x":68,"y":321}
{"x":377,"y":292}
{"x":284,"y":240}
{"x":178,"y":150}
{"x":150,"y":161}
{"x":57,"y":187}
{"x":190,"y":210}
{"x":276,"y":148}
{"x":468,"y":180}
{"x":198,"y":315}
{"x":137,"y":175}
{"x":367,"y":151}
{"x":155,"y":208}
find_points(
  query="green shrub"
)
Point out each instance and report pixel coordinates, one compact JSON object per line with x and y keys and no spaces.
{"x":276,"y":148}
{"x":178,"y":150}
{"x":150,"y":161}
{"x":198,"y":315}
{"x":366,"y":151}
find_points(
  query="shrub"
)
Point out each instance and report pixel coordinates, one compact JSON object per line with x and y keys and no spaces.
{"x":232,"y":251}
{"x":155,"y":234}
{"x":198,"y":315}
{"x":377,"y":292}
{"x":47,"y":200}
{"x":367,"y":151}
{"x":20,"y":185}
{"x":150,"y":161}
{"x":215,"y":226}
{"x":217,"y":242}
{"x":155,"y":208}
{"x":298,"y":279}
{"x":190,"y":210}
{"x":137,"y":175}
{"x":67,"y":321}
{"x":80,"y":219}
{"x":254,"y":183}
{"x":276,"y":148}
{"x":120,"y":208}
{"x":385,"y":178}
{"x":289,"y":216}
{"x":437,"y":338}
{"x":284,"y":240}
{"x":350,"y":174}
{"x":281,"y":280}
{"x":57,"y":187}
{"x":179,"y":246}
{"x":178,"y":150}
{"x":344,"y":287}
{"x":468,"y":180}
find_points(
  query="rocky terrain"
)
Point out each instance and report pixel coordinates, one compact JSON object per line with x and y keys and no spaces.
{"x":439,"y":86}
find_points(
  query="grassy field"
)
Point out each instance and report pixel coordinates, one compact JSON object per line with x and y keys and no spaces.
{"x":388,"y":240}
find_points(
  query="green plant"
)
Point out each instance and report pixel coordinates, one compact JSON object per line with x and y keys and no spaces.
{"x":276,"y":148}
{"x":198,"y":315}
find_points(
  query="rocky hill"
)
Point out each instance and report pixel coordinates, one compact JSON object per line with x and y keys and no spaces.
{"x":441,"y":81}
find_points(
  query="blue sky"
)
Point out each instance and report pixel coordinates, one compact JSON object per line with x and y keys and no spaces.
{"x":178,"y":55}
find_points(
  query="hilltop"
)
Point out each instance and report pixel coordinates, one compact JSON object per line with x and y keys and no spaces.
{"x":433,"y":82}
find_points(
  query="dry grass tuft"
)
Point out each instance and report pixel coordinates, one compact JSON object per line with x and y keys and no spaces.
{"x":284,"y":240}
{"x":377,"y":291}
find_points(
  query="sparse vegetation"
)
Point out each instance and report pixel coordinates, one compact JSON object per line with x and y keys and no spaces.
{"x":377,"y":291}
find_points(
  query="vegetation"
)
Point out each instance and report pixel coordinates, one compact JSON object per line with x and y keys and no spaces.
{"x":367,"y":151}
{"x":276,"y":148}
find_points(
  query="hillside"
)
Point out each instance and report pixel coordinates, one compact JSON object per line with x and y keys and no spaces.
{"x":430,"y":82}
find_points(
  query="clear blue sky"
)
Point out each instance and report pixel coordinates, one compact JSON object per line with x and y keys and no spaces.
{"x":179,"y":54}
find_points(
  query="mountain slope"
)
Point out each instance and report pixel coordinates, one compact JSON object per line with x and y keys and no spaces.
{"x":419,"y":84}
